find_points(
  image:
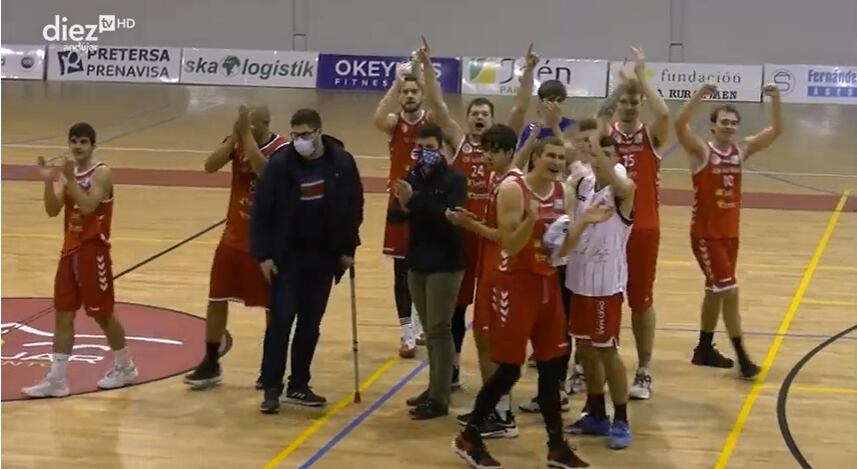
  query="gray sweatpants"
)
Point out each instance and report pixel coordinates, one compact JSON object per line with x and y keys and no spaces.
{"x":434,"y":297}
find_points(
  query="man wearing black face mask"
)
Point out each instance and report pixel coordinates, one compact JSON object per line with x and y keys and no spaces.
{"x":427,"y":196}
{"x":304,"y":231}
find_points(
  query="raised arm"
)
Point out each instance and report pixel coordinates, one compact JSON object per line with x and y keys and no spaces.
{"x":100,"y":189}
{"x":660,"y":127}
{"x":384,"y":118}
{"x":617,"y":178}
{"x":220,"y":156}
{"x":522,"y":155}
{"x":693,"y":144}
{"x":249,"y":145}
{"x":514,"y":231}
{"x":608,"y":107}
{"x":54,"y":187}
{"x":518,"y":115}
{"x":766,"y":137}
{"x":434,"y":96}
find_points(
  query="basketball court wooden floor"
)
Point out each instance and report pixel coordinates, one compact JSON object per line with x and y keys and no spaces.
{"x":797,"y":268}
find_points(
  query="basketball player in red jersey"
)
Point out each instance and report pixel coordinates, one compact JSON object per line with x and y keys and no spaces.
{"x":499,"y":143}
{"x":526,"y":295}
{"x":716,"y":169}
{"x":235,"y":274}
{"x":637,"y":144}
{"x":84,"y":277}
{"x":473,"y":163}
{"x":401,"y":128}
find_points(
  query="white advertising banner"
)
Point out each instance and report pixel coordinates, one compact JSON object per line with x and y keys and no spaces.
{"x":22,"y":62}
{"x":501,"y":75}
{"x":814,"y":83}
{"x":288,"y":69}
{"x":114,"y":64}
{"x":678,"y":81}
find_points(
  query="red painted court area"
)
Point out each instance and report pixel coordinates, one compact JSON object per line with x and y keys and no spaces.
{"x":162,"y":342}
{"x":377,"y":185}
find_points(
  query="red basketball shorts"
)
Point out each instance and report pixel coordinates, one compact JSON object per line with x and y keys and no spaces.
{"x":396,"y":239}
{"x":482,"y":308}
{"x":596,"y":319}
{"x":236,"y":276}
{"x":718,"y":259}
{"x":526,"y":307}
{"x":470,"y":241}
{"x":642,"y":251}
{"x":85,"y":278}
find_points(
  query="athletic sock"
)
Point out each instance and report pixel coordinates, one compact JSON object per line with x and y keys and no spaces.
{"x":504,"y":405}
{"x":705,"y":338}
{"x":739,"y":350}
{"x":59,"y":364}
{"x":212,"y":352}
{"x":621,"y":412}
{"x":122,"y":357}
{"x":596,"y":405}
{"x":407,"y":330}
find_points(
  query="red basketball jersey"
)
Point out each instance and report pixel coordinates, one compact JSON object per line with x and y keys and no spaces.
{"x":532,"y":257}
{"x":643,"y":163}
{"x":717,"y":194}
{"x":402,"y":144}
{"x":470,"y":160}
{"x":80,"y":228}
{"x":489,"y":251}
{"x":237,"y":232}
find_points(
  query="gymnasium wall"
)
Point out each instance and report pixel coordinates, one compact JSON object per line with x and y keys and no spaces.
{"x":712,"y":31}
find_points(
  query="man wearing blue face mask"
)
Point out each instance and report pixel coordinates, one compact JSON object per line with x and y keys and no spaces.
{"x":304,"y":231}
{"x":427,"y":196}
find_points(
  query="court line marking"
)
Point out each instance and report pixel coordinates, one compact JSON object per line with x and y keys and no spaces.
{"x":842,"y":268}
{"x":732,"y":439}
{"x":366,"y":157}
{"x":319,"y":422}
{"x":814,"y":388}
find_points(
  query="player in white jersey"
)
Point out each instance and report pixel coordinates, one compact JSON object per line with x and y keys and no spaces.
{"x":597,"y":274}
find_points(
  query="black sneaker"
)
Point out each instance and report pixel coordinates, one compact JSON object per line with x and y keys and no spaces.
{"x":271,"y":402}
{"x":749,"y":370}
{"x":418,"y":399}
{"x":710,"y":356}
{"x":304,"y":397}
{"x":495,"y":426}
{"x":429,"y":409}
{"x":456,"y":378}
{"x":206,"y":375}
{"x":259,"y":385}
{"x":562,"y":457}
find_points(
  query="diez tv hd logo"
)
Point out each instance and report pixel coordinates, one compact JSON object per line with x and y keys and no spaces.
{"x":61,"y":31}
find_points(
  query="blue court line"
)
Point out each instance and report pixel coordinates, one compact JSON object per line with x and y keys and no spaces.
{"x":359,"y":419}
{"x":363,"y":416}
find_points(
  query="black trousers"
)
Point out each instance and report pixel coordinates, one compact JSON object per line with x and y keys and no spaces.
{"x":300,"y":293}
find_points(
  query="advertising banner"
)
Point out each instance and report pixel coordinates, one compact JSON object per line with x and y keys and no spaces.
{"x":678,"y":81}
{"x":288,"y":69}
{"x":814,"y":83}
{"x":501,"y":75}
{"x":114,"y":64}
{"x":376,"y":73}
{"x":22,"y":62}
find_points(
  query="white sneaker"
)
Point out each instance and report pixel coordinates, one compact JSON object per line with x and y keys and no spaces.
{"x":48,"y":387}
{"x":118,"y":376}
{"x":532,"y":406}
{"x":642,"y":387}
{"x":576,"y":383}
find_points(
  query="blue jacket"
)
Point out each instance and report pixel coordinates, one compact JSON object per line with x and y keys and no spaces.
{"x":275,"y":207}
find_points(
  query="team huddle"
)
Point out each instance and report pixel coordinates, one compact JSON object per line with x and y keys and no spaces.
{"x":546,"y":228}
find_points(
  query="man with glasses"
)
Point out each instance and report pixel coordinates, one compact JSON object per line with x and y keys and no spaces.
{"x":304,"y":231}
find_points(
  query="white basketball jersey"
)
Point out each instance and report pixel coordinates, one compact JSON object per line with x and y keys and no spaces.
{"x":598,"y":265}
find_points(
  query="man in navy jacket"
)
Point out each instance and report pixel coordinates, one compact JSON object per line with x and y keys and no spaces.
{"x":304,"y":231}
